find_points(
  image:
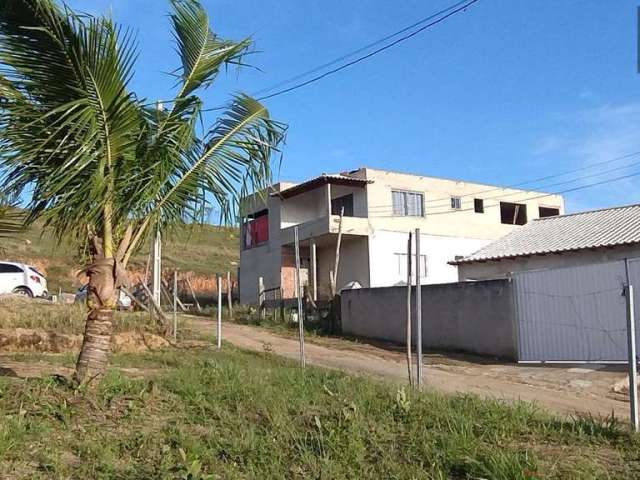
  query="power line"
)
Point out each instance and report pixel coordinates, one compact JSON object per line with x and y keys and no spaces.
{"x":557,"y":184}
{"x":547,"y":177}
{"x":581,"y":187}
{"x":450,"y":13}
{"x":359,"y":50}
{"x":369,"y":55}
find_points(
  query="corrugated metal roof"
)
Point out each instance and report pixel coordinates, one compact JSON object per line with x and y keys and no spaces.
{"x":336,"y":179}
{"x":577,"y":231}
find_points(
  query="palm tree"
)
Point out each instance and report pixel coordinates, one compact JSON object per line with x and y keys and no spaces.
{"x":10,"y":219}
{"x":101,"y":164}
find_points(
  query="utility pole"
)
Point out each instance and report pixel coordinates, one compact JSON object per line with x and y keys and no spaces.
{"x":156,"y":279}
{"x":156,"y":249}
{"x":409,"y":359}
{"x":418,"y":312}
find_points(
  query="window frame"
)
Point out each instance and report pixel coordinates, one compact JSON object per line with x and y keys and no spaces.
{"x":456,"y":202}
{"x":402,"y":265}
{"x":259,"y":215}
{"x":405,"y":206}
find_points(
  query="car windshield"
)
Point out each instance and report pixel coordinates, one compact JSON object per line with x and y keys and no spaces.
{"x":36,"y":271}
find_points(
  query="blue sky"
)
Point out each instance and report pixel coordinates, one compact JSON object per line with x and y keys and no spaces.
{"x":505,"y":92}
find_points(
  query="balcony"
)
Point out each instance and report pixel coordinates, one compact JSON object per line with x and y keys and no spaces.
{"x":325,"y":226}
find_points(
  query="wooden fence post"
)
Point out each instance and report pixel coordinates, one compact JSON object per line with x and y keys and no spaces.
{"x":229,"y":295}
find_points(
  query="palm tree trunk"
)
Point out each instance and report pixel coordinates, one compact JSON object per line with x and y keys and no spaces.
{"x":96,"y":346}
{"x":101,"y":300}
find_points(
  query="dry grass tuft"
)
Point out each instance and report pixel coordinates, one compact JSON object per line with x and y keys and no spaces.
{"x":21,"y":312}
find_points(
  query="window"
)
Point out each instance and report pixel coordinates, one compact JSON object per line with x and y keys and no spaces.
{"x":407,"y":204}
{"x":544,"y":212}
{"x":7,"y":268}
{"x":513,"y":213}
{"x":346,"y":202}
{"x":456,"y":203}
{"x":401,"y":260}
{"x":36,"y":271}
{"x":255,"y":230}
{"x":478,"y":205}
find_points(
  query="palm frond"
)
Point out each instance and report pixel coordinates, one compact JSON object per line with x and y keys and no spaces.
{"x":201,"y":51}
{"x":90,"y":154}
{"x":234,"y":156}
{"x":11,"y":219}
{"x":73,"y":124}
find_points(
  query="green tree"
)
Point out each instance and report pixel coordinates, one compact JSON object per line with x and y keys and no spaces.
{"x":100,"y":163}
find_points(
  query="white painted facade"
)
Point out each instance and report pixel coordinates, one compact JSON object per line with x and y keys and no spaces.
{"x":388,"y":261}
{"x":374,"y":235}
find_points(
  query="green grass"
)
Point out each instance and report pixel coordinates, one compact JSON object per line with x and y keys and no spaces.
{"x":234,"y":414}
{"x":203,"y":250}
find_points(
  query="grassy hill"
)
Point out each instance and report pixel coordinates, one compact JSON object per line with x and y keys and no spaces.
{"x":203,"y":250}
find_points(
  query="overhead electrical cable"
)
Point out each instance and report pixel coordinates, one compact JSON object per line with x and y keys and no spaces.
{"x":445,"y":200}
{"x":504,"y":196}
{"x":450,"y":11}
{"x":359,"y":50}
{"x":543,"y":195}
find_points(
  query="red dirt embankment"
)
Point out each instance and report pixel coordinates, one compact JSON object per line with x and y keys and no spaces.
{"x":43,"y":341}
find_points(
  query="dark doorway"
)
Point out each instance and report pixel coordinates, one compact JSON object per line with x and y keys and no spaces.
{"x":338,"y":203}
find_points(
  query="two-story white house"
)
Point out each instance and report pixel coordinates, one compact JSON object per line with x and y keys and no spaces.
{"x":456,"y":218}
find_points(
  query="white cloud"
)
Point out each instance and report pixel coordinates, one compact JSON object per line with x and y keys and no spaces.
{"x":591,"y":136}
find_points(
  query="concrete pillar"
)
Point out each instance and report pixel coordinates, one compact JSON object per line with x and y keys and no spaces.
{"x":328,"y":192}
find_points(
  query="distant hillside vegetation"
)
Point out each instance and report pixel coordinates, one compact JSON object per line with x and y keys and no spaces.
{"x":203,"y":250}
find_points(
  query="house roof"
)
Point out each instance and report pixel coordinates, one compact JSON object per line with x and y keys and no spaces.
{"x":565,"y":233}
{"x":323,"y":179}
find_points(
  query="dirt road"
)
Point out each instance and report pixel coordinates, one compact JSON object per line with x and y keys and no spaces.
{"x":566,"y":389}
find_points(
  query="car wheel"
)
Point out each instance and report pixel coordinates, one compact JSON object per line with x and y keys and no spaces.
{"x":24,"y":291}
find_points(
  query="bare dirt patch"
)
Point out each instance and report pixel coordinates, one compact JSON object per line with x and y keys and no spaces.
{"x":562,"y":389}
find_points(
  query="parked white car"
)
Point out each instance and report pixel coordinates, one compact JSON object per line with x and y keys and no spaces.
{"x":124,"y":301}
{"x":22,"y":279}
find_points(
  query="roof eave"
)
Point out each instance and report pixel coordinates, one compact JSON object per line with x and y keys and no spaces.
{"x":529,"y":254}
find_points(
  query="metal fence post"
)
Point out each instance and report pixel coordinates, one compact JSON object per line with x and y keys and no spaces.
{"x":230,"y":294}
{"x":418,"y":313}
{"x":631,"y":352}
{"x":219,"y":329}
{"x":299,"y":297}
{"x":175,"y":304}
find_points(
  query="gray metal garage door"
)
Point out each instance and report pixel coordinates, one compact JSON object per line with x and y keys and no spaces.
{"x":575,"y":313}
